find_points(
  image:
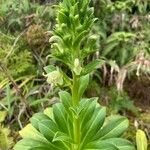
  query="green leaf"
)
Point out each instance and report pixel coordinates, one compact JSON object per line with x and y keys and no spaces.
{"x":30,"y":132}
{"x":49,"y":112}
{"x":120,"y":143}
{"x":94,"y":124}
{"x":92,"y":66}
{"x":37,"y":118}
{"x":79,"y":38}
{"x":49,"y":69}
{"x":59,"y":136}
{"x":89,"y":108}
{"x":141,"y":140}
{"x":48,"y":128}
{"x":62,"y":18}
{"x":60,"y":117}
{"x":109,"y":48}
{"x":39,"y":101}
{"x":84,"y":81}
{"x":114,"y":128}
{"x":65,"y":98}
{"x":31,"y":144}
{"x":76,"y":110}
{"x":100,"y":145}
{"x":56,"y":39}
{"x":112,"y":143}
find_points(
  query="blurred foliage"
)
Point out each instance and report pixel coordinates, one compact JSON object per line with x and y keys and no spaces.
{"x":5,"y":139}
{"x":124,"y":28}
{"x":16,"y":15}
{"x":18,"y":60}
{"x":24,"y":36}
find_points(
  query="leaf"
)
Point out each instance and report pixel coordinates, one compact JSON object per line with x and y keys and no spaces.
{"x":84,"y":81}
{"x":109,"y":48}
{"x":30,"y":132}
{"x":37,"y":118}
{"x":100,"y":145}
{"x":48,"y":128}
{"x":76,"y":110}
{"x":79,"y":38}
{"x":56,"y":39}
{"x":92,"y":66}
{"x":38,"y":101}
{"x":59,"y":136}
{"x":112,"y":143}
{"x":49,"y":69}
{"x":89,"y":108}
{"x":60,"y":117}
{"x":49,"y":112}
{"x":65,"y":98}
{"x":120,"y":143}
{"x":63,"y":18}
{"x":32,"y":144}
{"x":93,"y":125}
{"x":141,"y":140}
{"x":114,"y":128}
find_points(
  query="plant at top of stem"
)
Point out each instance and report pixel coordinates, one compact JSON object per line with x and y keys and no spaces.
{"x":75,"y":123}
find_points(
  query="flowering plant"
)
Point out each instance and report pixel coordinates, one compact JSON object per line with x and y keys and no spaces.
{"x":76,"y":123}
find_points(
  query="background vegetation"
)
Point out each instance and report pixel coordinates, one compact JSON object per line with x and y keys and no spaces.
{"x":122,"y":81}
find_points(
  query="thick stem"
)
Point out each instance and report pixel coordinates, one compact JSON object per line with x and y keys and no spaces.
{"x":75,"y":95}
{"x":76,"y":122}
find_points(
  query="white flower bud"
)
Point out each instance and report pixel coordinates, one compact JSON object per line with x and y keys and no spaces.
{"x":77,"y":67}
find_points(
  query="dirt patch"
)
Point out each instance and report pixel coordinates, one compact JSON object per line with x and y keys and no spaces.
{"x":139,"y":91}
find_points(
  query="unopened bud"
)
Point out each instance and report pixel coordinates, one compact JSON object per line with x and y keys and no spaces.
{"x":77,"y":67}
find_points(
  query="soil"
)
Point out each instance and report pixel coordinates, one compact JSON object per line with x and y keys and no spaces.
{"x":139,"y":91}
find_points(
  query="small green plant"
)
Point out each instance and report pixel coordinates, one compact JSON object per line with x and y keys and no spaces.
{"x":119,"y":102}
{"x":76,"y":123}
{"x":118,"y":47}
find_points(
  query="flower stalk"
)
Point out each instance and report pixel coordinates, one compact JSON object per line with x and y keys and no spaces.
{"x":76,"y":101}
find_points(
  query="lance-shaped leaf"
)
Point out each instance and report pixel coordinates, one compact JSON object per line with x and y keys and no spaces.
{"x":92,"y":66}
{"x":141,"y":140}
{"x":115,"y":128}
{"x":84,"y":81}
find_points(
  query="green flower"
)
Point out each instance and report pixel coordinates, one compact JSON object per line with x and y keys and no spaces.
{"x":55,"y":77}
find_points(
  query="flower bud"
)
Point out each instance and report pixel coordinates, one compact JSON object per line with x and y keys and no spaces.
{"x":77,"y":67}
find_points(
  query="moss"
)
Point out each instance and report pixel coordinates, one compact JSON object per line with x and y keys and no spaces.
{"x":35,"y":36}
{"x":17,"y":59}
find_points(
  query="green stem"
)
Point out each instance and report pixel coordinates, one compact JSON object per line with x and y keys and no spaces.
{"x":76,"y":100}
{"x":75,"y":95}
